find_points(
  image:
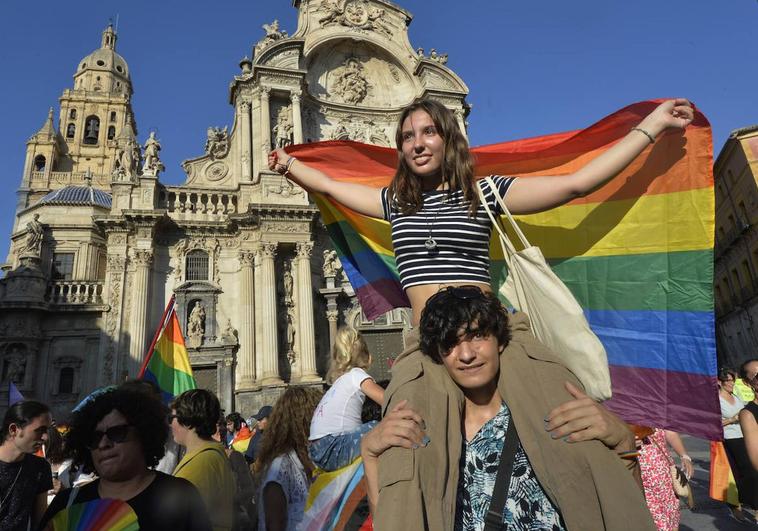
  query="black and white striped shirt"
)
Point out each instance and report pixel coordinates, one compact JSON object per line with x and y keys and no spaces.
{"x":462,"y":242}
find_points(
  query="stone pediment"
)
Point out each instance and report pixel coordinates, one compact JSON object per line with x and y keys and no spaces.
{"x":378,"y":18}
{"x":282,"y":54}
{"x":214,"y":169}
{"x":434,"y":76}
{"x":197,"y":286}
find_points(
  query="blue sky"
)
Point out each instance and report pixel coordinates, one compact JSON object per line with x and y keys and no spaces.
{"x":532,"y":67}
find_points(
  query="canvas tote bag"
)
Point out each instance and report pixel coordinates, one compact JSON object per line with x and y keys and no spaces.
{"x":557,"y":319}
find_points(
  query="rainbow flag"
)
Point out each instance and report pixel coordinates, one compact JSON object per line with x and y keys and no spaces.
{"x":331,"y":497}
{"x":637,"y":254}
{"x":242,"y":440}
{"x":104,"y":514}
{"x":167,"y":363}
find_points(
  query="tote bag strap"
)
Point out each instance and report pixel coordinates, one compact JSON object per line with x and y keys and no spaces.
{"x":507,"y":212}
{"x":508,"y":248}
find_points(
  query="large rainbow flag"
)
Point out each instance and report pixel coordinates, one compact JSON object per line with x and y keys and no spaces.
{"x":637,"y":254}
{"x":167,"y":363}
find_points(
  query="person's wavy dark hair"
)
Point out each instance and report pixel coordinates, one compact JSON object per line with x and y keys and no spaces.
{"x":743,"y":368}
{"x":199,"y":409}
{"x":457,"y":169}
{"x":55,"y":449}
{"x":141,"y":410}
{"x":465,"y":309}
{"x":236,"y":419}
{"x":725,"y":373}
{"x":21,"y":414}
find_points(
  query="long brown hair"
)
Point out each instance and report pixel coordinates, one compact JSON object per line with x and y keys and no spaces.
{"x":457,"y":170}
{"x":288,"y":427}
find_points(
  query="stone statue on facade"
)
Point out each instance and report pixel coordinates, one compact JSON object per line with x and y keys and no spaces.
{"x":152,"y":163}
{"x":334,"y":12}
{"x":273,"y":34}
{"x":230,"y":333}
{"x":35,"y":233}
{"x":288,"y":284}
{"x":127,"y":158}
{"x":290,"y":336}
{"x":15,"y":366}
{"x":196,"y":325}
{"x":332,"y":263}
{"x":217,"y":142}
{"x":284,"y":128}
{"x":351,"y":84}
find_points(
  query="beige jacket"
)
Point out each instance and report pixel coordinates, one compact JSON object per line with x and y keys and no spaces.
{"x":417,"y":488}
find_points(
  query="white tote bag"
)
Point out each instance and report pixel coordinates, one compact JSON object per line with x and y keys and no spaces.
{"x":557,"y":319}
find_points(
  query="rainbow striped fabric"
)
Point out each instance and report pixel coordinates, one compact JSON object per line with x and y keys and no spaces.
{"x":242,"y":440}
{"x":332,"y":497}
{"x":103,"y":514}
{"x":637,"y":254}
{"x":167,"y":364}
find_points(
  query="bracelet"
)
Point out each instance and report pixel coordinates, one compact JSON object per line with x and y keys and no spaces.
{"x":289,"y":164}
{"x":648,"y":135}
{"x":685,"y":457}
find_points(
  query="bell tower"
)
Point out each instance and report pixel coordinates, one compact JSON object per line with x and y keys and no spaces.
{"x":95,"y":111}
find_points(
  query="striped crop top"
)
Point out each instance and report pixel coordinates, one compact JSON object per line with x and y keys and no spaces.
{"x":461,"y":243}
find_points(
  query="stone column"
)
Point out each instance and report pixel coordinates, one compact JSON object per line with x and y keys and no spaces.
{"x":297,"y":119}
{"x":245,"y":155}
{"x":246,"y":354}
{"x":267,"y":313}
{"x":461,"y":122}
{"x":265,"y":122}
{"x":143,"y":259}
{"x":305,"y":313}
{"x":332,"y":314}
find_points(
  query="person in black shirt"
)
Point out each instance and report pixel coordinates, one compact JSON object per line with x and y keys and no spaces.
{"x":24,"y":478}
{"x":120,"y":433}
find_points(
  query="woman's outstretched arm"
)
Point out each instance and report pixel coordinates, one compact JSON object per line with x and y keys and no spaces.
{"x":363,"y":199}
{"x":537,"y":194}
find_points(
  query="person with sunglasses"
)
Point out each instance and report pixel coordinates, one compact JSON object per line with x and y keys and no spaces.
{"x":500,"y":379}
{"x":121,"y":433}
{"x":749,"y":424}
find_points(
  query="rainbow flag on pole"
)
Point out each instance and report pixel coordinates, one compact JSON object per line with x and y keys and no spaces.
{"x":167,"y":363}
{"x":637,"y":254}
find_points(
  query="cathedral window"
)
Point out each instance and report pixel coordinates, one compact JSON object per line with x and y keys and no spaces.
{"x":63,"y":266}
{"x":113,"y":116}
{"x":91,"y":130}
{"x":70,"y":131}
{"x":39,"y":163}
{"x":66,"y":380}
{"x":111,"y":133}
{"x":72,"y":114}
{"x":197,"y":265}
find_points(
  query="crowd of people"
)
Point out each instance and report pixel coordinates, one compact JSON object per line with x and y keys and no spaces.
{"x":481,"y":426}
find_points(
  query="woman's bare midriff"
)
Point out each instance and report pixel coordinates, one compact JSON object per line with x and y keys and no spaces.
{"x":418,"y":295}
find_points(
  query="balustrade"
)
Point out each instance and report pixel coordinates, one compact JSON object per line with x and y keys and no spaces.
{"x":75,"y":292}
{"x":200,"y":203}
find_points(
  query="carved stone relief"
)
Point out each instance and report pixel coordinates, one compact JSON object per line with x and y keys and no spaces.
{"x":273,"y":34}
{"x":211,"y":245}
{"x":216,"y":171}
{"x":350,"y":84}
{"x":355,"y":14}
{"x":360,"y":129}
{"x":217,"y":142}
{"x":283,"y":129}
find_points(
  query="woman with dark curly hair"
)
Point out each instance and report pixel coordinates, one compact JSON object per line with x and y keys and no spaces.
{"x":120,"y":433}
{"x":283,"y":461}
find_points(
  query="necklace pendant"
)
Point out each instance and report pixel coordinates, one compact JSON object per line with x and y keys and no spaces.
{"x":430,"y":244}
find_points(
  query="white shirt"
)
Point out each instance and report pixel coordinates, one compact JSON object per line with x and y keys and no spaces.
{"x":289,"y":473}
{"x":340,"y":408}
{"x":732,"y":431}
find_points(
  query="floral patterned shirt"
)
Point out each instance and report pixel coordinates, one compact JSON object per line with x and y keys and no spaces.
{"x":527,"y":506}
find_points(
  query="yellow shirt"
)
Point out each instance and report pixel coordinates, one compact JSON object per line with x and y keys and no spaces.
{"x":743,"y":391}
{"x":208,"y":469}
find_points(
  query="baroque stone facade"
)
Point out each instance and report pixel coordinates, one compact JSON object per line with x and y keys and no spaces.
{"x":100,"y":244}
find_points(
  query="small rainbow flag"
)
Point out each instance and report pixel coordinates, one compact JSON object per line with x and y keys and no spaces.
{"x":167,"y":363}
{"x":637,"y":254}
{"x":242,"y":440}
{"x":333,"y":497}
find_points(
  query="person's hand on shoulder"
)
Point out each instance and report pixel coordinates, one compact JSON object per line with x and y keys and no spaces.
{"x":402,"y":427}
{"x":583,"y":419}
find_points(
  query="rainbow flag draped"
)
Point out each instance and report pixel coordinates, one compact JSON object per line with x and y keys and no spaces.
{"x":333,"y":497}
{"x":242,"y":440}
{"x":637,"y":254}
{"x":103,"y":514}
{"x":167,"y":363}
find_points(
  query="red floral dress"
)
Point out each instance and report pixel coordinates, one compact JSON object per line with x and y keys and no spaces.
{"x":656,"y":479}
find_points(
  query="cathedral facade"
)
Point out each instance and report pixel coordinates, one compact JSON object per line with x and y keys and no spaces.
{"x":100,"y":244}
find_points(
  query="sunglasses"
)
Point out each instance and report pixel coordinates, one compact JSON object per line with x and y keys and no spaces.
{"x":115,"y":434}
{"x":463,"y":293}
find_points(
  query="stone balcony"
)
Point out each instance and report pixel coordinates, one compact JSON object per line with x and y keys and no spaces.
{"x":198,"y":205}
{"x":58,"y":179}
{"x":76,"y":294}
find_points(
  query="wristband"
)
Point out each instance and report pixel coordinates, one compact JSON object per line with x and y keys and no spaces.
{"x":648,"y":135}
{"x":685,"y":457}
{"x":289,"y":164}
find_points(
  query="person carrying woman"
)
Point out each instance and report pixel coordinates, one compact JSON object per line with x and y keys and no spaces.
{"x":120,"y":432}
{"x":336,"y":428}
{"x":441,"y":234}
